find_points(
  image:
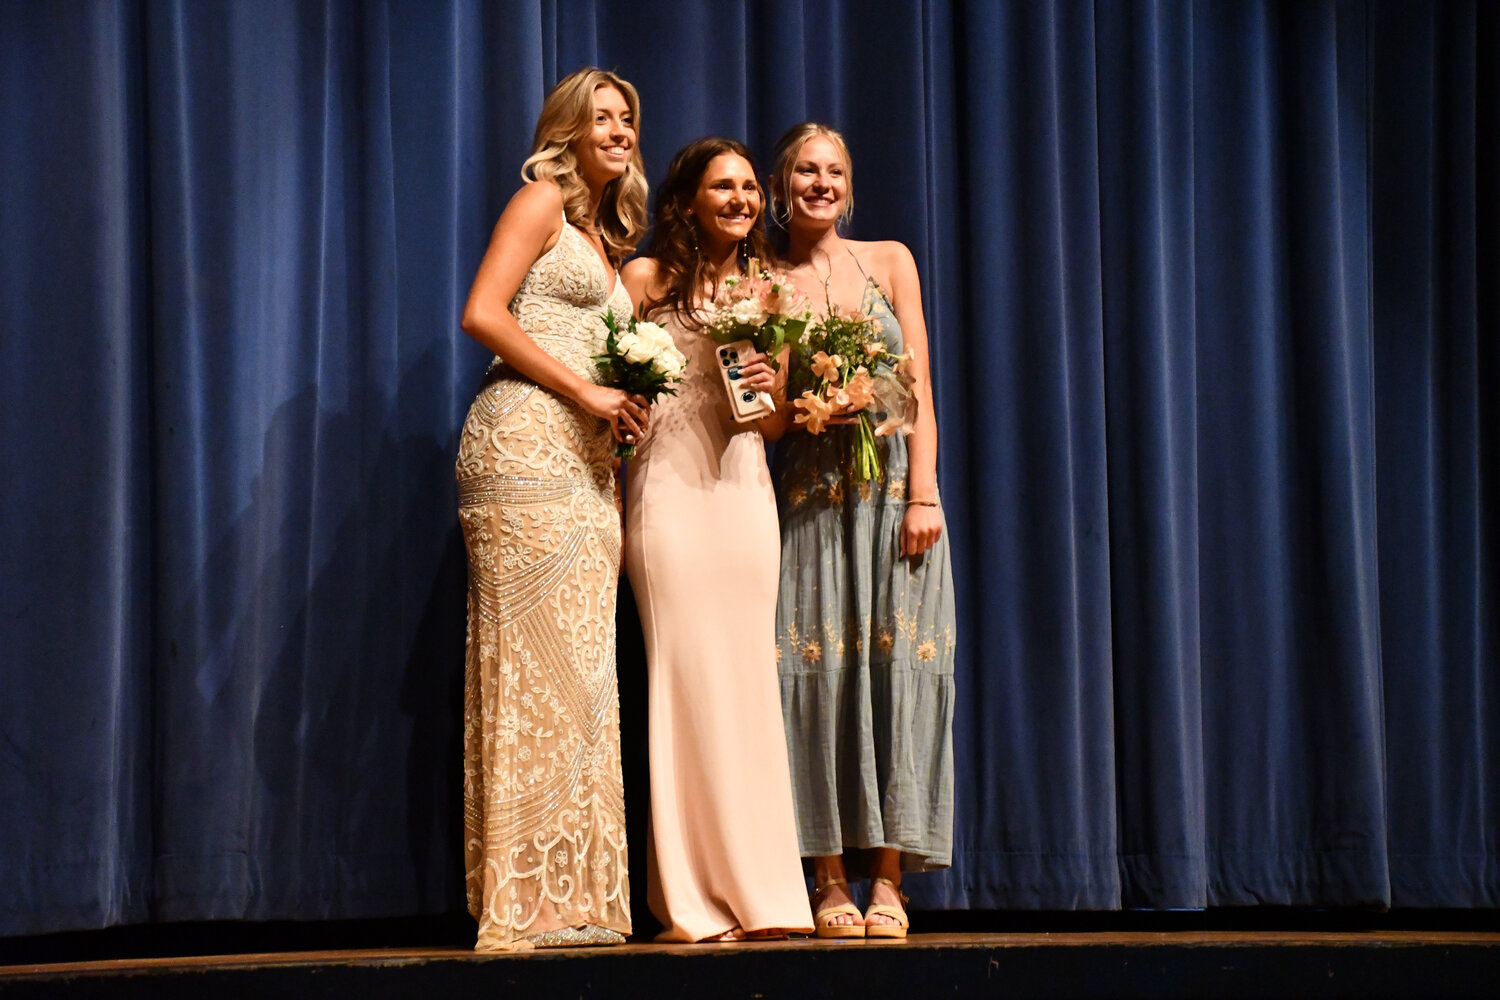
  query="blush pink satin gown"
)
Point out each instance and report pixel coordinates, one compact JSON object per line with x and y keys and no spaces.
{"x":703,"y":553}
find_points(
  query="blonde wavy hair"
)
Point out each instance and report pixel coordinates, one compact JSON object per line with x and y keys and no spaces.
{"x":567,"y":116}
{"x":788,"y":147}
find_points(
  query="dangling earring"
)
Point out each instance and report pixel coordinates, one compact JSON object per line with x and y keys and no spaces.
{"x":694,"y":230}
{"x":744,"y":255}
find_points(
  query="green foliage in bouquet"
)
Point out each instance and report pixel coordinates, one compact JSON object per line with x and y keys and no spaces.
{"x":853,"y":373}
{"x":763,"y":307}
{"x":640,"y":358}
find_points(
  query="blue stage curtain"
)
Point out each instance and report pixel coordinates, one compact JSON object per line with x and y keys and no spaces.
{"x":1435,"y":271}
{"x":1212,"y":292}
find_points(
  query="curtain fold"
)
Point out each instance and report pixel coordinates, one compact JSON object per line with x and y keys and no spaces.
{"x":1034,"y":722}
{"x":1434,"y":141}
{"x":1211,"y":294}
{"x":1145,"y":119}
{"x":1286,"y":500}
{"x":76,"y":580}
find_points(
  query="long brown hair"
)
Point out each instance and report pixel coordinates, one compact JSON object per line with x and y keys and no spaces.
{"x":674,"y":237}
{"x":568,"y":115}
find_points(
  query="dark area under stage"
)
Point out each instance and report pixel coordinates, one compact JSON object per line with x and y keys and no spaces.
{"x":1253,"y":953}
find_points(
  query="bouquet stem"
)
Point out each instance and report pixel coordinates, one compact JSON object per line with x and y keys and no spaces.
{"x":624,"y":449}
{"x":866,"y":458}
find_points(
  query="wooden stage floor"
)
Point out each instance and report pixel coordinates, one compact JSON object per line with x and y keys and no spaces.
{"x":1105,"y":964}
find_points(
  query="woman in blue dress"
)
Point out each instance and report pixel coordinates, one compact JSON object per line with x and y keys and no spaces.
{"x":865,"y":623}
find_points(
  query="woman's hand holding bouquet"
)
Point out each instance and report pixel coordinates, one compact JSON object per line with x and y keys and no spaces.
{"x":640,"y":359}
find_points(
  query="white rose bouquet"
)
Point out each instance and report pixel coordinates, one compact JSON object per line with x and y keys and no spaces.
{"x":853,"y":372}
{"x":641,"y":359}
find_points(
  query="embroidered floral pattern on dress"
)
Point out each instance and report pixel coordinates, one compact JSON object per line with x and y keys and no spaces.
{"x":912,"y":642}
{"x":809,"y":485}
{"x":869,"y":716}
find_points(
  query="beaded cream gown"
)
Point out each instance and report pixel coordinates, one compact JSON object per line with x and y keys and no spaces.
{"x":544,"y":810}
{"x":702,"y":551}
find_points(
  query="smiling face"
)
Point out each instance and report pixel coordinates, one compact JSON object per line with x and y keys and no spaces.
{"x":604,"y":151}
{"x":817,"y":188}
{"x":727,"y":202}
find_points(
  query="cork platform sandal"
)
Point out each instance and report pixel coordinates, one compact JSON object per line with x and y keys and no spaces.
{"x":824,"y":927}
{"x":897,"y":913}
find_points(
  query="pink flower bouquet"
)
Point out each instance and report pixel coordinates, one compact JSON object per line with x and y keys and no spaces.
{"x":763,"y":307}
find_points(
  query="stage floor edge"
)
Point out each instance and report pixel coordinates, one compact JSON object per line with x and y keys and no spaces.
{"x":1103,"y":965}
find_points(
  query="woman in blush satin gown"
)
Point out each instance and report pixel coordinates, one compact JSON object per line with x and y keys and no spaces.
{"x":544,"y":811}
{"x":702,"y":550}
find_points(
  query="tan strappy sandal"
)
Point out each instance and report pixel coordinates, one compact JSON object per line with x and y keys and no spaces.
{"x":824,"y":927}
{"x":898,"y":913}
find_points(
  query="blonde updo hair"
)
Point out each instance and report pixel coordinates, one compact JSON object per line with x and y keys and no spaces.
{"x":788,"y":148}
{"x":567,"y":116}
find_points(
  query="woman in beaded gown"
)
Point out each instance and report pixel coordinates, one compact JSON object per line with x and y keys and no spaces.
{"x":865,"y":618}
{"x":544,"y":814}
{"x":702,"y":551}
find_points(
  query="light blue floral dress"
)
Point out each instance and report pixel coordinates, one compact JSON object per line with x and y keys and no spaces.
{"x":864,"y":650}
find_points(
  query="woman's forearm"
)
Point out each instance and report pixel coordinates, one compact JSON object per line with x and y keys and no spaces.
{"x":921,"y":448}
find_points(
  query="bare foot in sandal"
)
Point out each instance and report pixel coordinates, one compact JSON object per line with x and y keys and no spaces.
{"x":834,"y":912}
{"x":886,"y":915}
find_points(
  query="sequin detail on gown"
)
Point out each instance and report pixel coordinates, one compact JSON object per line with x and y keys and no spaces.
{"x":544,"y":809}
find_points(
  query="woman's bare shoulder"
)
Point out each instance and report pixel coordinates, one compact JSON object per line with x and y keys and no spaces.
{"x":642,"y":278}
{"x":640,"y":269}
{"x":885,"y":256}
{"x":538,"y":196}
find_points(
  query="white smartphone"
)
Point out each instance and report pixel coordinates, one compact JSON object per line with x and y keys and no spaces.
{"x":745,"y":404}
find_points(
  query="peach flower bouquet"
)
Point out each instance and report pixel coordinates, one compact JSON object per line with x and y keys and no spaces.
{"x":854,"y":375}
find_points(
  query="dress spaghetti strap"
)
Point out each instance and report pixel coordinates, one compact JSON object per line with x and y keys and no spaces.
{"x":871,"y":281}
